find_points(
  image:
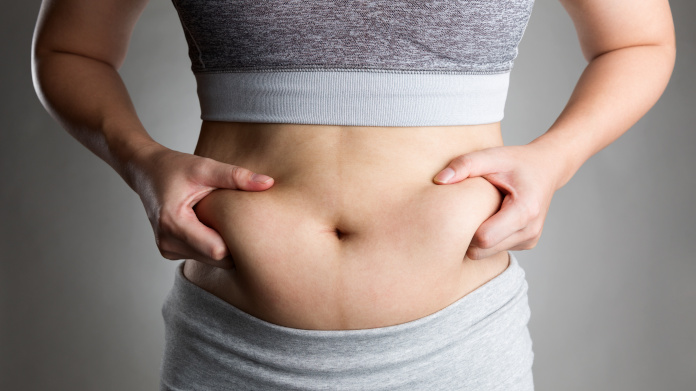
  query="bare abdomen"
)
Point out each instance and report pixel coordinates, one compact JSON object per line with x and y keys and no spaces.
{"x":353,"y":234}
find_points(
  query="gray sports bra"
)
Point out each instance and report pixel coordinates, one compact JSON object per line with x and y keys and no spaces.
{"x":353,"y":62}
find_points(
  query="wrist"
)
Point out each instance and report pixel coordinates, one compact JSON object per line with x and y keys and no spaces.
{"x":130,"y":146}
{"x":137,"y":169}
{"x":559,"y":155}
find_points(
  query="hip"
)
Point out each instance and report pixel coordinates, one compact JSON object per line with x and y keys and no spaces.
{"x":480,"y":342}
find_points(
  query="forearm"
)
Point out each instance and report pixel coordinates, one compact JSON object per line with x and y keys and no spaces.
{"x":614,"y":91}
{"x":89,"y":99}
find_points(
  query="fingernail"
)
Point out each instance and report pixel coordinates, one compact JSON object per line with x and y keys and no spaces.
{"x":260,"y":178}
{"x":445,"y":175}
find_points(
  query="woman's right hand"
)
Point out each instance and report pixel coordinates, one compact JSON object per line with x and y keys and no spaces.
{"x":170,"y":184}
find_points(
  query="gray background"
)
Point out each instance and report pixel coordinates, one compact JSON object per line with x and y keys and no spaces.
{"x":81,"y":282}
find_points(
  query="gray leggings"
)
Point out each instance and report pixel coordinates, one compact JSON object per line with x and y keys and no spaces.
{"x":480,"y":342}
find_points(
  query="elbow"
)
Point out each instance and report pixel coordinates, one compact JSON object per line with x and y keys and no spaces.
{"x":41,"y":52}
{"x":671,"y":55}
{"x":38,"y":54}
{"x":665,"y":57}
{"x":668,"y":50}
{"x":40,"y":72}
{"x":661,"y":56}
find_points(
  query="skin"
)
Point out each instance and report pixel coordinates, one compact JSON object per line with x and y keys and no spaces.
{"x":629,"y":46}
{"x":400,"y":254}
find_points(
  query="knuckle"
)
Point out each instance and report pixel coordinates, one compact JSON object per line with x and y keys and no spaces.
{"x":484,"y":240}
{"x":529,"y":245}
{"x":534,"y":231}
{"x":240,"y":174}
{"x":200,"y":169}
{"x":475,"y":253}
{"x":530,"y":210}
{"x":217,"y":253}
{"x":463,"y":162}
{"x":485,"y":243}
{"x":165,"y":246}
{"x":169,"y":255}
{"x":533,"y":209}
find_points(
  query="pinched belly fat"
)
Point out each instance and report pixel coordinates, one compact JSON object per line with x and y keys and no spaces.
{"x":348,"y":257}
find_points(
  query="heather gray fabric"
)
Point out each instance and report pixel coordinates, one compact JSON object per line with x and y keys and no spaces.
{"x":458,"y":38}
{"x":353,"y":98}
{"x":480,"y":342}
{"x":475,"y":36}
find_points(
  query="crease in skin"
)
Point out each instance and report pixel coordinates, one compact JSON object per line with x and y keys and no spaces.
{"x":353,"y":233}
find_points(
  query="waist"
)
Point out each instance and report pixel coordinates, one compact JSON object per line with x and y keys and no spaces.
{"x":353,"y":233}
{"x":487,"y":327}
{"x":344,"y":156}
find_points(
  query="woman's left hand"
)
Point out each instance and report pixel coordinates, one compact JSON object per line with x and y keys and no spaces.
{"x":527,"y":176}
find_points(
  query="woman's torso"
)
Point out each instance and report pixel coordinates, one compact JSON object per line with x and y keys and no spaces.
{"x":354,"y":233}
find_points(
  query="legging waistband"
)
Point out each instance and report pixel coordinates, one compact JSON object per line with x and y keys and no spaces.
{"x":479,"y":342}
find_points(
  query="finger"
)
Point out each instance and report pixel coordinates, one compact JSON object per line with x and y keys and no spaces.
{"x":174,"y":249}
{"x":511,"y":218}
{"x":520,"y":240}
{"x":204,"y":240}
{"x":229,"y":176}
{"x":477,"y":253}
{"x":477,"y":163}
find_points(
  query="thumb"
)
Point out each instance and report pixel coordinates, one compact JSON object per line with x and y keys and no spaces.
{"x":228,"y":176}
{"x":473,"y":164}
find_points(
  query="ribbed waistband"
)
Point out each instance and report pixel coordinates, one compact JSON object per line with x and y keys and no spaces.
{"x":480,"y":342}
{"x":353,"y":98}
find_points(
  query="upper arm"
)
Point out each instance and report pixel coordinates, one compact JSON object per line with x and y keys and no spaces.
{"x":606,"y":25}
{"x":99,"y":29}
